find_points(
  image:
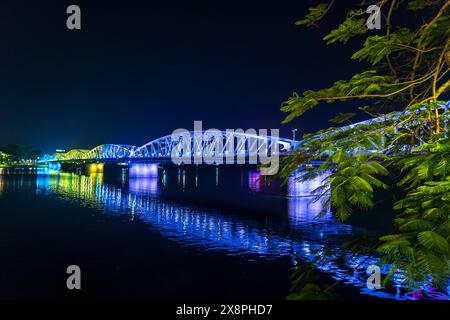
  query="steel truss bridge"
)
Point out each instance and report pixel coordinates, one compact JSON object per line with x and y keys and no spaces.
{"x":189,"y":144}
{"x":236,"y":144}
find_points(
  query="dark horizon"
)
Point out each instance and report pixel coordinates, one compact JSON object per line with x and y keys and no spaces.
{"x":137,"y":72}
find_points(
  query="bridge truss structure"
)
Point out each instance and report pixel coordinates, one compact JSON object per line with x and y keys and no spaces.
{"x":201,"y":143}
{"x":235,"y":144}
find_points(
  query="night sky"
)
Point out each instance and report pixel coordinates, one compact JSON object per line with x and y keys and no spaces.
{"x":138,"y":70}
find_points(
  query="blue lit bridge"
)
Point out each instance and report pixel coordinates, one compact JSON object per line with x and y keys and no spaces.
{"x":232,"y":144}
{"x":201,"y":144}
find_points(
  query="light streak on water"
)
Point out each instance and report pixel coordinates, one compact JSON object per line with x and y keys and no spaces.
{"x":218,"y":230}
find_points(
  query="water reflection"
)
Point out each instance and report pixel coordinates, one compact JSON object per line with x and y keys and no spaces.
{"x":297,"y":234}
{"x":217,"y":230}
{"x":298,"y":188}
{"x":208,"y":229}
{"x":254,"y":181}
{"x":2,"y":182}
{"x":144,"y":186}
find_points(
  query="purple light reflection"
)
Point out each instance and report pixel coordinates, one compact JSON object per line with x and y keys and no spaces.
{"x":307,"y":188}
{"x":144,"y":186}
{"x":143,"y":170}
{"x":254,"y":181}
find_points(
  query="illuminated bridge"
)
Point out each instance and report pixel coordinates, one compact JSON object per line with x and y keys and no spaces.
{"x":189,"y":144}
{"x":217,"y":144}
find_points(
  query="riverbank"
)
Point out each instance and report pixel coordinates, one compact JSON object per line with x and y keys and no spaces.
{"x":22,"y":165}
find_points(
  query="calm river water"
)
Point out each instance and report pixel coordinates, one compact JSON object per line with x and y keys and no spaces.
{"x":193,"y":233}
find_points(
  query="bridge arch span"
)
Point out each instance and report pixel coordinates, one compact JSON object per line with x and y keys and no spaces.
{"x":203,"y":142}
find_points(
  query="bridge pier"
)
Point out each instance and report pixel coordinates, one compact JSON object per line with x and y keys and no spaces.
{"x":54,"y":166}
{"x":88,"y":168}
{"x":68,"y":167}
{"x":94,"y":168}
{"x":143,"y":169}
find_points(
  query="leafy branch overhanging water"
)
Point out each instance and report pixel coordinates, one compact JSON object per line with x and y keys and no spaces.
{"x":403,"y":90}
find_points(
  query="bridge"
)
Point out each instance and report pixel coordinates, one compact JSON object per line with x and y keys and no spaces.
{"x":234,"y":144}
{"x":207,"y":144}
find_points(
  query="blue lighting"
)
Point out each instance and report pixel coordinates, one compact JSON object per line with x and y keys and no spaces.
{"x":143,"y":169}
{"x":308,"y":239}
{"x":54,"y":166}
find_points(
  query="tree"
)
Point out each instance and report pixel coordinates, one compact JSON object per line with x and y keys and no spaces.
{"x":17,"y":152}
{"x":14,"y":150}
{"x":402,"y":92}
{"x":3,"y":157}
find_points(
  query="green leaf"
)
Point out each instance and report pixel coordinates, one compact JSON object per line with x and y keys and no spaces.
{"x":418,"y":4}
{"x":342,"y":117}
{"x":394,"y":247}
{"x":314,"y":15}
{"x":378,"y":47}
{"x":433,"y":241}
{"x":416,"y":225}
{"x":350,"y":28}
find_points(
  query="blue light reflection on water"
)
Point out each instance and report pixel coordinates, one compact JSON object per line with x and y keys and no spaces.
{"x":216,"y":230}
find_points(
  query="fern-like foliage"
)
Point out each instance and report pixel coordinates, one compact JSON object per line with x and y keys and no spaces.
{"x":350,"y":28}
{"x":314,"y":15}
{"x":376,"y":48}
{"x":423,"y":245}
{"x":366,"y":83}
{"x":352,"y":184}
{"x":415,"y":5}
{"x":343,"y":117}
{"x":407,"y":140}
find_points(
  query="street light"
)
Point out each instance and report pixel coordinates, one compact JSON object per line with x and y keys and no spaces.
{"x":293,"y":134}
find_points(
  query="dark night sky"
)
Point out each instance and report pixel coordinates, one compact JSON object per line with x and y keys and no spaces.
{"x":138,"y":70}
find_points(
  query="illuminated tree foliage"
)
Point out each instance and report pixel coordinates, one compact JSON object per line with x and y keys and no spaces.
{"x":17,"y":153}
{"x":3,"y":157}
{"x":403,"y":90}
